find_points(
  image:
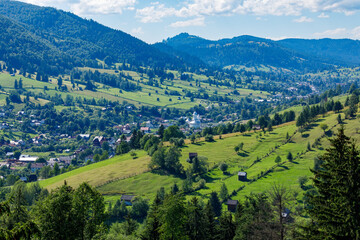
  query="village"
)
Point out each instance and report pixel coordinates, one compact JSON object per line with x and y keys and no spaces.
{"x":20,"y":153}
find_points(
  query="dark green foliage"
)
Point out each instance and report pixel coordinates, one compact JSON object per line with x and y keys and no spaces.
{"x":71,"y":214}
{"x":335,"y":208}
{"x":227,"y":227}
{"x":122,"y":148}
{"x":173,"y":218}
{"x":173,"y":132}
{"x":167,"y":160}
{"x":255,"y":219}
{"x":196,"y":221}
{"x":224,"y":193}
{"x":215,"y":203}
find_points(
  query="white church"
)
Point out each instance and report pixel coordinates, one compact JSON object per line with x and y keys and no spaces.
{"x":195,"y":123}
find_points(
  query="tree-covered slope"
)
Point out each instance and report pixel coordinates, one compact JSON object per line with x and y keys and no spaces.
{"x":243,"y":50}
{"x":20,"y":48}
{"x":339,"y":51}
{"x":83,"y":40}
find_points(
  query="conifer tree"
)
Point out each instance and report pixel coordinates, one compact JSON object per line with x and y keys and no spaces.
{"x":335,"y":209}
{"x":215,"y":203}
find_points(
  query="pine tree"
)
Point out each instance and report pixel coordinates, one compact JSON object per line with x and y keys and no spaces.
{"x":224,"y":193}
{"x":290,"y":157}
{"x":211,"y":225}
{"x":335,"y":210}
{"x":196,"y":224}
{"x":152,"y":223}
{"x":227,"y":227}
{"x":215,"y":203}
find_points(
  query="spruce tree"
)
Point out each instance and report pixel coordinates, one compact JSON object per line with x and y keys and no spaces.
{"x":215,"y":203}
{"x":335,"y":209}
{"x":224,"y":193}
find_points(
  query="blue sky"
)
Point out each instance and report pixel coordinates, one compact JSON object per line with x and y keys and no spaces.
{"x":153,"y":21}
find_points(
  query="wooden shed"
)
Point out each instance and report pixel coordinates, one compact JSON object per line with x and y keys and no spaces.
{"x":128,"y":199}
{"x":232,"y":204}
{"x":242,"y":176}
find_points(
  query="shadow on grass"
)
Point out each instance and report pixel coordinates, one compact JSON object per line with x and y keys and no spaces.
{"x":284,"y":167}
{"x":294,"y":162}
{"x":199,"y":143}
{"x":329,"y":133}
{"x":242,"y":154}
{"x":306,"y":135}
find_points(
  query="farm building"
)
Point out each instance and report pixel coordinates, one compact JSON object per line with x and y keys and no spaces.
{"x":128,"y":199}
{"x":192,"y":155}
{"x":232,"y":204}
{"x":242,"y":176}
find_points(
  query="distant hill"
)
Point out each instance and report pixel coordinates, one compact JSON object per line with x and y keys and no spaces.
{"x":295,"y":54}
{"x":22,"y":49}
{"x":82,"y":40}
{"x":338,"y":51}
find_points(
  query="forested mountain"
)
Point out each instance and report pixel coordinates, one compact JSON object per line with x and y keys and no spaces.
{"x":83,"y":41}
{"x":339,"y":51}
{"x":29,"y":51}
{"x":295,"y":54}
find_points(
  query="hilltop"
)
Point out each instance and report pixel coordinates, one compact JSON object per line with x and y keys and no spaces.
{"x":293,"y":54}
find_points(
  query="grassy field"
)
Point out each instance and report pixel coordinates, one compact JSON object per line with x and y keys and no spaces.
{"x":100,"y":173}
{"x":149,"y":95}
{"x":123,"y":174}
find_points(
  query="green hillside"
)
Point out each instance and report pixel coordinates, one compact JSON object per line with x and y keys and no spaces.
{"x":262,"y":173}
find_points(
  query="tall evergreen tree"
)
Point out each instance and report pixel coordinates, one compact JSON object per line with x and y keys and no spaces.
{"x":335,"y":209}
{"x":215,"y":203}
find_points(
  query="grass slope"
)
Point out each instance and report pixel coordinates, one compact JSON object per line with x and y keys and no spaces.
{"x":124,"y":175}
{"x":100,"y":173}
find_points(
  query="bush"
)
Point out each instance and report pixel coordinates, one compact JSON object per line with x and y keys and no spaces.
{"x":223,"y":167}
{"x":209,"y":138}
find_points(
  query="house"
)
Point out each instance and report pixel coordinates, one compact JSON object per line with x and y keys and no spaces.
{"x":242,"y":176}
{"x":28,"y":158}
{"x":36,"y":166}
{"x":98,"y":140}
{"x":85,"y":136}
{"x":128,"y":199}
{"x":256,"y":127}
{"x":66,"y":159}
{"x":9,"y":154}
{"x":192,"y":156}
{"x":51,"y":162}
{"x":232,"y":204}
{"x":145,"y":129}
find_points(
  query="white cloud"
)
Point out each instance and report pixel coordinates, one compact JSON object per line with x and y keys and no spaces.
{"x":137,"y":31}
{"x":102,"y":6}
{"x":331,"y":33}
{"x":323,"y":15}
{"x":303,"y":19}
{"x":196,"y":8}
{"x":353,"y":33}
{"x":155,"y":13}
{"x":46,"y":2}
{"x":200,"y":21}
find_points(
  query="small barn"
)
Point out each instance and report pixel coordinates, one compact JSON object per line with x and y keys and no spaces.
{"x":192,"y":156}
{"x":242,"y":176}
{"x":232,"y":204}
{"x":128,"y":199}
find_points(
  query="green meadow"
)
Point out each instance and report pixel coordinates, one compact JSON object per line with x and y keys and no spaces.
{"x":124,"y":175}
